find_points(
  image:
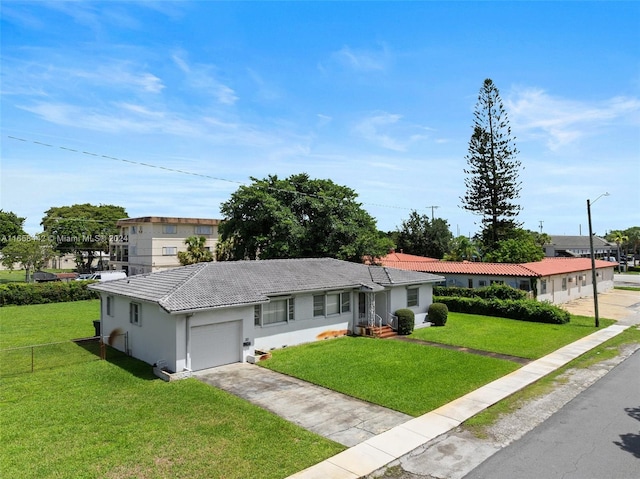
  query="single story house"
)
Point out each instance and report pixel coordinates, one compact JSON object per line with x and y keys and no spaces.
{"x":209,"y":314}
{"x":579,"y":247}
{"x":556,"y":280}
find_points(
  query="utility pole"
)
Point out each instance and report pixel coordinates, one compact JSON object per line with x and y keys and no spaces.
{"x":541,"y":226}
{"x":432,"y":210}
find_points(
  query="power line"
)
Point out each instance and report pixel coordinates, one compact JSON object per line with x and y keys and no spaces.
{"x":185,"y":172}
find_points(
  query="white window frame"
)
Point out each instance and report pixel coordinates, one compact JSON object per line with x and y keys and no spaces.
{"x":262,"y":311}
{"x":135,"y":313}
{"x":109,"y":305}
{"x":333,"y":303}
{"x":411,"y":303}
{"x":319,"y":309}
{"x":169,"y":250}
{"x":204,"y":229}
{"x":169,"y":229}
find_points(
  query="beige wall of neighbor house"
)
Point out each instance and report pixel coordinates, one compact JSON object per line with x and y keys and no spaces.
{"x":152,"y":243}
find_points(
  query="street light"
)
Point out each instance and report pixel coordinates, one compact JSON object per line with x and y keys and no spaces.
{"x":593,"y":260}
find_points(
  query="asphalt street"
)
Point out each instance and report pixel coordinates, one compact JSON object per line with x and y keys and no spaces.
{"x":595,"y":436}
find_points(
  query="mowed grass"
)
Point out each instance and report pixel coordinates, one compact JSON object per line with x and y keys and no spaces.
{"x":100,"y":419}
{"x":47,"y":323}
{"x":508,"y":336}
{"x":115,"y":420}
{"x":407,"y":377}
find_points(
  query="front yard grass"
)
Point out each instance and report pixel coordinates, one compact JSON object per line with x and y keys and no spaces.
{"x":508,"y":336}
{"x":407,"y":377}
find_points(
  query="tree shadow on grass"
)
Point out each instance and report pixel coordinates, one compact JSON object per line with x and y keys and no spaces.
{"x":114,"y":356}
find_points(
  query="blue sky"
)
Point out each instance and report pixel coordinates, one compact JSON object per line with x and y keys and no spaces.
{"x":377,"y":96}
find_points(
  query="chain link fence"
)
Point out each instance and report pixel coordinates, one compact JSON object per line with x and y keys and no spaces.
{"x":37,"y":357}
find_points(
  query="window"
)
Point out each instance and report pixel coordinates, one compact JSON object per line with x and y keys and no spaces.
{"x":169,"y":250}
{"x":482,"y":283}
{"x":135,"y":313}
{"x":496,"y":281}
{"x":275,"y":311}
{"x":564,"y":284}
{"x":583,"y":278}
{"x":204,"y":230}
{"x":412,"y":297}
{"x":345,"y":302}
{"x":134,"y":230}
{"x":543,"y":286}
{"x":109,"y":305}
{"x":470,"y":283}
{"x":333,"y":304}
{"x":318,"y":305}
{"x":523,"y":285}
{"x":169,"y":229}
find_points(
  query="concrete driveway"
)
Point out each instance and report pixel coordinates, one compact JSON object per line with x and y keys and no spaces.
{"x":614,"y":304}
{"x":335,"y":416}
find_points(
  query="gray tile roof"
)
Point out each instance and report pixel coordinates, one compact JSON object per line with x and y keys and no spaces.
{"x":581,"y":242}
{"x":233,"y":283}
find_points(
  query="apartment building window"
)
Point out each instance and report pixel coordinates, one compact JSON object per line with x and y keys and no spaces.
{"x":135,"y":314}
{"x":412,"y":297}
{"x":169,"y":250}
{"x":169,"y":229}
{"x":204,"y":230}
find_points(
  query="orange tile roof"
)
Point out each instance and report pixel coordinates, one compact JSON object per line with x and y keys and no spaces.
{"x":403,"y":257}
{"x":546,"y":267}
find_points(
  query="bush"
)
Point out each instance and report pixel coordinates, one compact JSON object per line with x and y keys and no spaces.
{"x":438,"y":313}
{"x":495,"y":291}
{"x":406,"y":321}
{"x":525,"y":310}
{"x":20,"y":294}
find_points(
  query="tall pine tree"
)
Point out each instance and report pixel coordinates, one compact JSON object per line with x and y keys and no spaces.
{"x":492,"y":174}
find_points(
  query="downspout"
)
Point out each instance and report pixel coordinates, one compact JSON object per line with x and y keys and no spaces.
{"x":188,"y":341}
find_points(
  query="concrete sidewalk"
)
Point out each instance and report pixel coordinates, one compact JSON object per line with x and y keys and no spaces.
{"x":380,"y":450}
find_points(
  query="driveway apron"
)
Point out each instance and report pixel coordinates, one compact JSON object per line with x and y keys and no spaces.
{"x":335,"y":416}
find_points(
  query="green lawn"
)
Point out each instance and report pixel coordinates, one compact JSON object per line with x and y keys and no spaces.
{"x":507,"y":336}
{"x":115,"y":420}
{"x":77,"y":416}
{"x":407,"y":377}
{"x":47,"y":323}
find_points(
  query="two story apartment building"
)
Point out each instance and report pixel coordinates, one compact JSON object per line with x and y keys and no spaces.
{"x":152,"y":243}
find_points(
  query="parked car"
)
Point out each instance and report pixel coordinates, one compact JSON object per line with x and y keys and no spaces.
{"x":103,"y":276}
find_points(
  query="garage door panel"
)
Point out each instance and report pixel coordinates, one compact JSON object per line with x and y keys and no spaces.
{"x":216,"y":344}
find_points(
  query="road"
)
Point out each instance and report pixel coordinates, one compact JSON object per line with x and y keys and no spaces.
{"x":595,"y":436}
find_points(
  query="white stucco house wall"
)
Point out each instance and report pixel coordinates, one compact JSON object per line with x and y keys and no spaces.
{"x":209,"y":314}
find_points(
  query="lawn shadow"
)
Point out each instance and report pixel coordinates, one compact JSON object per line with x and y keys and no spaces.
{"x":118,"y":358}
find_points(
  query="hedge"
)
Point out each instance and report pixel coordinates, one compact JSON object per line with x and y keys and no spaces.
{"x":20,"y":294}
{"x":437,"y":314}
{"x":495,"y":291}
{"x":524,"y":310}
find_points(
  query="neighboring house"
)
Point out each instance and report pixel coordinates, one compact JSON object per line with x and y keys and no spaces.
{"x":152,"y":243}
{"x":579,"y":247}
{"x":557,"y":280}
{"x":208,"y":314}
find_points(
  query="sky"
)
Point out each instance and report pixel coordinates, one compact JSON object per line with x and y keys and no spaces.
{"x":167,"y":108}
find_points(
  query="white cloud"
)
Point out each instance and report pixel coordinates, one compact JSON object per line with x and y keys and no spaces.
{"x":559,"y":121}
{"x":362,"y":60}
{"x":202,"y":77}
{"x":387,"y":130}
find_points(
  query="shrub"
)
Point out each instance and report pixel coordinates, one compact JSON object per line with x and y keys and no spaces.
{"x":438,"y":313}
{"x":40,"y":293}
{"x":525,"y":310}
{"x":406,"y":321}
{"x":495,"y":291}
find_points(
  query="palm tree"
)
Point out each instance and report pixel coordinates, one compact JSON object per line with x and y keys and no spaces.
{"x":196,"y":251}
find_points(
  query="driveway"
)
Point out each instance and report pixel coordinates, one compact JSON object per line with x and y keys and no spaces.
{"x":614,"y":304}
{"x":335,"y":416}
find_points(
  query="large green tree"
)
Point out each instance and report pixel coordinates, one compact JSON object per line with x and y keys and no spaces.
{"x":298,"y":217}
{"x":521,"y":247}
{"x":82,"y":229}
{"x":492,"y":174}
{"x":463,"y":249}
{"x":30,"y":253}
{"x":10,"y":227}
{"x":424,"y":237}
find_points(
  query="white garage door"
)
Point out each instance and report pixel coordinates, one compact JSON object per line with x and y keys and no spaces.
{"x":216,"y":344}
